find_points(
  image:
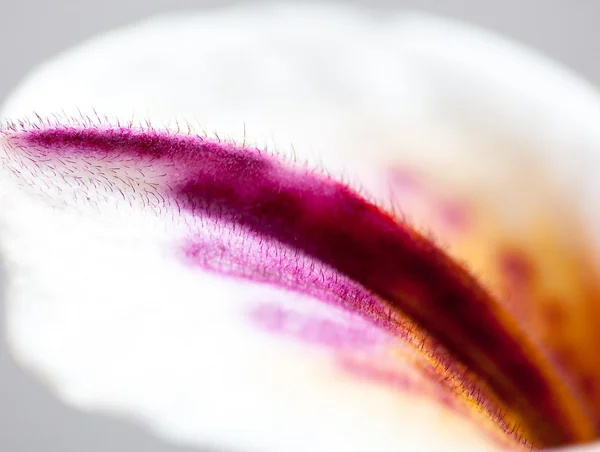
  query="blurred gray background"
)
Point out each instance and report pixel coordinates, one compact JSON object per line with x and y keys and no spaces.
{"x":31,"y":419}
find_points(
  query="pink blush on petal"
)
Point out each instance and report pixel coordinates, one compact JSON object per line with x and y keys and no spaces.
{"x":314,"y":329}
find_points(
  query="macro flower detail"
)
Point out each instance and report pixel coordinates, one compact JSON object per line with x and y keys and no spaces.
{"x":236,"y":294}
{"x":260,"y":200}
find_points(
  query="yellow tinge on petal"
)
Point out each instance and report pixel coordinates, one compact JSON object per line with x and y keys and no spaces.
{"x":534,"y":256}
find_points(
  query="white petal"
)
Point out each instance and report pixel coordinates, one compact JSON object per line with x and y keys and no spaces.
{"x":113,"y":321}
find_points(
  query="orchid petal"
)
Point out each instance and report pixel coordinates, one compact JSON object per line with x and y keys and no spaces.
{"x":425,"y":95}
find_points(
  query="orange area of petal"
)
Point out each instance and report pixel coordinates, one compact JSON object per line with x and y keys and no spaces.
{"x":539,"y":265}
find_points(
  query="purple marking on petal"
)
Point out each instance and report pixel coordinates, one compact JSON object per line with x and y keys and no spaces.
{"x":454,"y":216}
{"x":263,"y":260}
{"x":325,"y":221}
{"x":350,"y":335}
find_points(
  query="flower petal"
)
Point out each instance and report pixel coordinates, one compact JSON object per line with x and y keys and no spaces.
{"x":337,"y":110}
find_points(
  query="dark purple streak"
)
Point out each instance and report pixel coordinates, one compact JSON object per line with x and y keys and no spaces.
{"x":327,"y":221}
